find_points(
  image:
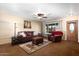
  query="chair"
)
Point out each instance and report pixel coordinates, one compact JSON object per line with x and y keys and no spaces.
{"x":55,"y":36}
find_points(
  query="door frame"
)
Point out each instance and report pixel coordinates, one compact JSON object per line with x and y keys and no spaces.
{"x":76,"y":27}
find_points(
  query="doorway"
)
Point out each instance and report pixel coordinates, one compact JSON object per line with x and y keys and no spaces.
{"x":72,"y":30}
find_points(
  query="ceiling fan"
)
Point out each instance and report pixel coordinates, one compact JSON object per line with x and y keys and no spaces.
{"x":40,"y":15}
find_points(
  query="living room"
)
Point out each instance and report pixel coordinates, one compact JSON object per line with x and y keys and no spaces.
{"x":39,"y":21}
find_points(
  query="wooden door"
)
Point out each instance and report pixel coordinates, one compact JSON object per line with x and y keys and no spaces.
{"x":72,"y":30}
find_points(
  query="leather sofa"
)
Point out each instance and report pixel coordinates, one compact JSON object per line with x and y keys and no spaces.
{"x":55,"y":36}
{"x":22,"y":37}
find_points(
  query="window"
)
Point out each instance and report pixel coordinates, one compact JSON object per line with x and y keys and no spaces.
{"x":71,"y":28}
{"x":51,"y":27}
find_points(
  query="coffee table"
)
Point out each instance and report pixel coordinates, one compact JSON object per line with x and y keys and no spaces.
{"x":37,"y":40}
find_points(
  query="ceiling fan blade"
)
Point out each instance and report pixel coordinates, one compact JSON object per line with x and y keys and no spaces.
{"x":44,"y":17}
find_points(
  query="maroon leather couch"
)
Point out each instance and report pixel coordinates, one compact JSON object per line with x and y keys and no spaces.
{"x":55,"y":36}
{"x":22,"y":39}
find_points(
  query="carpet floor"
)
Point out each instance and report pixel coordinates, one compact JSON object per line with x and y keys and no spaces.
{"x":63,"y":48}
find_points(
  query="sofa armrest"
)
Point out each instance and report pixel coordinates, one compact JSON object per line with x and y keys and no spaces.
{"x":14,"y":40}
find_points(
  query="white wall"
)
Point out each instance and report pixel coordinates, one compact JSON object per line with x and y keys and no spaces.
{"x":78,"y":29}
{"x":35,"y":26}
{"x":64,"y":20}
{"x":62,"y":25}
{"x":7,"y":26}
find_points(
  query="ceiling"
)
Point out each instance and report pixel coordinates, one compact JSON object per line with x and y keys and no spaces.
{"x":53,"y":11}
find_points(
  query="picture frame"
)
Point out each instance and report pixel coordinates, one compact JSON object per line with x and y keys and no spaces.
{"x":27,"y":24}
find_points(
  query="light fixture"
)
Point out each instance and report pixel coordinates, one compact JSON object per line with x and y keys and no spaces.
{"x":40,"y":14}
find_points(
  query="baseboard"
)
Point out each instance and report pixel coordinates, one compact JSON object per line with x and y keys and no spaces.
{"x":5,"y":43}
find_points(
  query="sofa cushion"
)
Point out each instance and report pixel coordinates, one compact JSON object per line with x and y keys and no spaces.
{"x":57,"y":33}
{"x":22,"y":34}
{"x":29,"y":34}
